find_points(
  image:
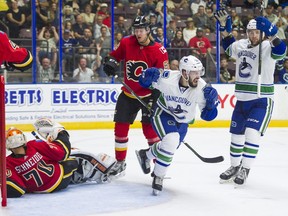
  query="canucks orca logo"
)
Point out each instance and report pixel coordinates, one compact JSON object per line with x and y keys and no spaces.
{"x":244,"y":69}
{"x":134,"y":69}
{"x":285,"y":77}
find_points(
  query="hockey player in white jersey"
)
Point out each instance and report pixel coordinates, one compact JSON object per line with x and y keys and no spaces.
{"x":252,"y":113}
{"x":181,"y":92}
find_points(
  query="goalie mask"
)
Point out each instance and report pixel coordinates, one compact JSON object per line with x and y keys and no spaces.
{"x":15,"y":138}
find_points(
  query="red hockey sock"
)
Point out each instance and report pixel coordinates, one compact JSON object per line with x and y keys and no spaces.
{"x":121,"y":140}
{"x":150,"y":134}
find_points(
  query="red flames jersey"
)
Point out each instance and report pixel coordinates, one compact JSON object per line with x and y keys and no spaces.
{"x":39,"y":170}
{"x":137,"y":58}
{"x":10,"y":52}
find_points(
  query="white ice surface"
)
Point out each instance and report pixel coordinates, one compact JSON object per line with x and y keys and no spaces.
{"x":193,"y":188}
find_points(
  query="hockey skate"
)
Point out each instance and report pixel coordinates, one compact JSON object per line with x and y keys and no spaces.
{"x":241,"y":176}
{"x":118,"y":170}
{"x":229,"y":174}
{"x":143,"y":160}
{"x":157,"y":185}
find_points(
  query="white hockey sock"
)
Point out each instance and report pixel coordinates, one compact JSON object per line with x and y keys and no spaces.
{"x":251,"y":147}
{"x":150,"y":154}
{"x":236,"y":149}
{"x":164,"y":152}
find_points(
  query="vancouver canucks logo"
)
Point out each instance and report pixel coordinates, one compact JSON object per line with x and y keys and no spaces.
{"x":244,"y":69}
{"x":134,"y":69}
{"x":285,"y":77}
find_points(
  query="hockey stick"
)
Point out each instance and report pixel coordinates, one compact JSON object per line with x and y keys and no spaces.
{"x":217,"y":159}
{"x":262,"y":6}
{"x":35,"y":135}
{"x":133,"y":93}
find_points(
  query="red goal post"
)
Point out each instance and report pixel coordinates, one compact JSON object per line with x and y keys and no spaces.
{"x":2,"y":143}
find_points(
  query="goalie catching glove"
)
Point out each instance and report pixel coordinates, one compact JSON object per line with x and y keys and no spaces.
{"x":224,"y":20}
{"x":48,"y":129}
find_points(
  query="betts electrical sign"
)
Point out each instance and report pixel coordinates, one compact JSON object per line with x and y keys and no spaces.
{"x":66,"y":102}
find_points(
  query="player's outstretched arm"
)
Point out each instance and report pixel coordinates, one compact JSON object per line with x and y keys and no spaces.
{"x":225,"y":22}
{"x":278,"y":46}
{"x":14,"y":57}
{"x":55,"y":136}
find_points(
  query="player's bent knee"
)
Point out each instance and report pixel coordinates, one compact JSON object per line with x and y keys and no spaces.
{"x":252,"y":135}
{"x":170,"y":142}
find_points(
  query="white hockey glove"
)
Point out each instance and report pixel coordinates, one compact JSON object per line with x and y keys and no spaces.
{"x":224,"y":20}
{"x":48,"y":129}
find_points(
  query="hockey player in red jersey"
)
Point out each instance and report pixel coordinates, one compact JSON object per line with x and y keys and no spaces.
{"x":138,"y":52}
{"x":13,"y":56}
{"x":45,"y":166}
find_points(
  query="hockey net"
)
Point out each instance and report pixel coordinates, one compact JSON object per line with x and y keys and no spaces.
{"x":2,"y":143}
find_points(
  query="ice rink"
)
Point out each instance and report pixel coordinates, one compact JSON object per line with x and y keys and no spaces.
{"x":192,"y":187}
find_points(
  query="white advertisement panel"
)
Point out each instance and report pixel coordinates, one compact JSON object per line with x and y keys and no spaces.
{"x":64,"y":103}
{"x":227,"y":101}
{"x":96,"y":102}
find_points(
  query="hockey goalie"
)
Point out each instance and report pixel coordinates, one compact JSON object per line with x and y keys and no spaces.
{"x":48,"y":163}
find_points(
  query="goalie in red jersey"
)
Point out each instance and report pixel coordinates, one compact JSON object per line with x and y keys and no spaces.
{"x":138,"y":52}
{"x":48,"y":165}
{"x":13,"y":56}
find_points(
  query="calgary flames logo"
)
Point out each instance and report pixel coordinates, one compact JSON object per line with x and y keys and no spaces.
{"x":134,"y":69}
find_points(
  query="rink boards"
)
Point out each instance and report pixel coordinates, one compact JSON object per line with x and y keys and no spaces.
{"x":91,"y":106}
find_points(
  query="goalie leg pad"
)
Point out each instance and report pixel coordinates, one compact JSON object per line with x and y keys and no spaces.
{"x":91,"y":167}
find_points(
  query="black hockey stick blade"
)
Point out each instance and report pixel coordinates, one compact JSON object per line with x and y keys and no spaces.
{"x":217,"y":159}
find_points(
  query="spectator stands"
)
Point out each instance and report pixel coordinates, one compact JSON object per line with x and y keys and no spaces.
{"x":128,"y":10}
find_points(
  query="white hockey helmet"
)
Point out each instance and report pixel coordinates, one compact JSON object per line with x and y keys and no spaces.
{"x":191,"y":63}
{"x":252,"y":25}
{"x":15,"y":138}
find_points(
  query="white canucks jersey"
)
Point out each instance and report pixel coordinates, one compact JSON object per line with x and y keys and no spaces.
{"x":247,"y":62}
{"x":178,"y":101}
